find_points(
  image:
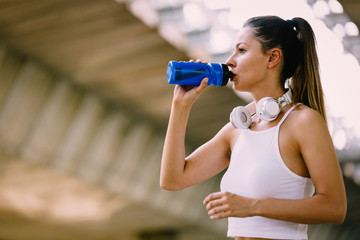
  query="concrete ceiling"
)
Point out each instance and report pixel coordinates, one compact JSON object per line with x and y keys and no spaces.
{"x":101,"y":46}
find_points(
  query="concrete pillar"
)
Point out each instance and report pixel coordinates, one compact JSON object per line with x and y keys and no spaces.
{"x":128,"y":158}
{"x":22,"y":103}
{"x":51,"y":122}
{"x":79,"y":134}
{"x":103,"y":147}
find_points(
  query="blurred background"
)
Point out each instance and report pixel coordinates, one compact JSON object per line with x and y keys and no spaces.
{"x":84,"y":105}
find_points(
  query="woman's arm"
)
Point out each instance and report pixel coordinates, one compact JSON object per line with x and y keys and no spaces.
{"x":328,"y":205}
{"x":208,"y":160}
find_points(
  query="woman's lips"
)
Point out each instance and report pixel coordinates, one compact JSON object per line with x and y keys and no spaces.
{"x":233,"y":76}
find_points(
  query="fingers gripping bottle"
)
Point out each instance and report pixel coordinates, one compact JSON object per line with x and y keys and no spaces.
{"x":191,"y":73}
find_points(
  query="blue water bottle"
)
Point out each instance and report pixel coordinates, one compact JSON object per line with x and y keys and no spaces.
{"x":191,"y":73}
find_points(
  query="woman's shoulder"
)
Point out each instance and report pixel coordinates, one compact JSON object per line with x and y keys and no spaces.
{"x":229,"y":131}
{"x":228,"y":134}
{"x":306,"y":120}
{"x":305,"y":115}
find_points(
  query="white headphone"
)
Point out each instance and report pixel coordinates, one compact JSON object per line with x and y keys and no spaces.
{"x":267,"y":109}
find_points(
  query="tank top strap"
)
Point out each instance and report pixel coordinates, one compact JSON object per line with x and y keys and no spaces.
{"x":286,"y":114}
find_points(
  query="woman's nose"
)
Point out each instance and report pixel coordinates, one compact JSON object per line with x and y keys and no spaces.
{"x":230,"y":62}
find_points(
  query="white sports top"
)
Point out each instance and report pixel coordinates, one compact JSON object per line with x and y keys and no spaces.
{"x":257,"y":170}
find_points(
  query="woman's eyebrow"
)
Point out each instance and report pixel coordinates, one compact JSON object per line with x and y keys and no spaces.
{"x":239,"y":43}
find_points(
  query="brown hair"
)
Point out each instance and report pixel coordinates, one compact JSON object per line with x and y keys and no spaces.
{"x":296,"y":39}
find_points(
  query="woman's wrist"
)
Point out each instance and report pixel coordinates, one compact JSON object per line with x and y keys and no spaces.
{"x":256,"y":206}
{"x":181,"y":106}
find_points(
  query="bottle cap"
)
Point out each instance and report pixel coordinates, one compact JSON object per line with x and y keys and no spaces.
{"x":226,"y":74}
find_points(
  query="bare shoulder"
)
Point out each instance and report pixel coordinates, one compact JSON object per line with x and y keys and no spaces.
{"x":227,"y":136}
{"x":304,"y":116}
{"x":306,"y":123}
{"x":228,"y":133}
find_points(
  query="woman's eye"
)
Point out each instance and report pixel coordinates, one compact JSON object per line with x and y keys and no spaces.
{"x":241,"y":50}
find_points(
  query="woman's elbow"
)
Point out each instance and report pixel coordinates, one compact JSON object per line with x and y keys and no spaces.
{"x":340,"y":215}
{"x":169,"y":186}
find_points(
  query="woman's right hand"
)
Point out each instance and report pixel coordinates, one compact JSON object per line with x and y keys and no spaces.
{"x":187,"y":95}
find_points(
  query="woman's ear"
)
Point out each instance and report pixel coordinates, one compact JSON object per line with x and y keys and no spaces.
{"x":275,"y":56}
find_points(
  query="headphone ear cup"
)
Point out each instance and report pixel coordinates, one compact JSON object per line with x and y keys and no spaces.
{"x":267,"y":109}
{"x":240,"y":117}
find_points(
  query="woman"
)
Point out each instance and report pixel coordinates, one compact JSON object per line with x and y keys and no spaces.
{"x":273,"y":166}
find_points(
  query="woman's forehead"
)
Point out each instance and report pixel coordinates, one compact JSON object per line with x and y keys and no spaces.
{"x":245,"y":35}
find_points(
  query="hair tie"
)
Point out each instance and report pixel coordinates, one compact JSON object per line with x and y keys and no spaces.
{"x":292,"y":24}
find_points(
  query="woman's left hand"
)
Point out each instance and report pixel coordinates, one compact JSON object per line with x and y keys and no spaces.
{"x":225,"y":204}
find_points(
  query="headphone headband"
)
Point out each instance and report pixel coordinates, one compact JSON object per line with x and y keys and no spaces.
{"x":285,"y":99}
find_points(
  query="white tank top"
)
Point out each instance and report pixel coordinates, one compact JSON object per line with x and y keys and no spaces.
{"x":256,"y":170}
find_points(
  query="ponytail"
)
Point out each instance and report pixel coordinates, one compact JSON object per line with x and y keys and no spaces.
{"x":296,"y":39}
{"x":305,"y":83}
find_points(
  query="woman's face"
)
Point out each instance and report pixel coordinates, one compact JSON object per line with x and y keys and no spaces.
{"x":248,"y":62}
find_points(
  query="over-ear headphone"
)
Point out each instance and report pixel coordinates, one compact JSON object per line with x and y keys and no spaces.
{"x":266,"y":109}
